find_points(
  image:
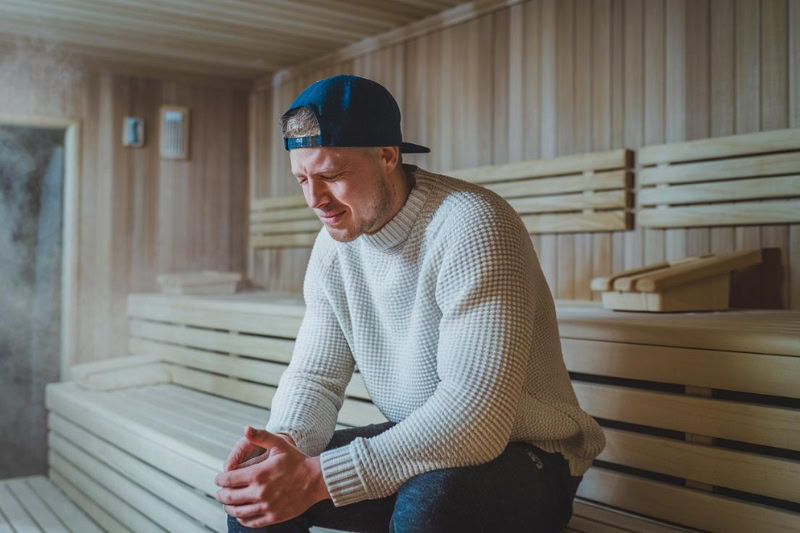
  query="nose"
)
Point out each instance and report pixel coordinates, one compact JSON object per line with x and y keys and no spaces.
{"x":316,"y":192}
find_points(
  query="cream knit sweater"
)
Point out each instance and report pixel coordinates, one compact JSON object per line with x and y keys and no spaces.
{"x":450,"y":321}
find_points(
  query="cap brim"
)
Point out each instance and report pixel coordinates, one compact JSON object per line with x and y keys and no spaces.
{"x":411,"y":148}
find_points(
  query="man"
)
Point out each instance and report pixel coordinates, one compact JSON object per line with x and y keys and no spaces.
{"x":430,"y":285}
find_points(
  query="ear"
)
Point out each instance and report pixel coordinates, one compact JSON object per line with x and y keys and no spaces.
{"x":389,"y":157}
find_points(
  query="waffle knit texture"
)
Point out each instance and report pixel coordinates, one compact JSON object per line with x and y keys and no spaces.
{"x":449,"y":319}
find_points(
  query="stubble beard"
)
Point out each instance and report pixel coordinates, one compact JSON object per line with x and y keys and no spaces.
{"x":382,"y":200}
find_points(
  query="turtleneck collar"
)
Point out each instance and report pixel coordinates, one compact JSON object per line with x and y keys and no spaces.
{"x":399,"y":227}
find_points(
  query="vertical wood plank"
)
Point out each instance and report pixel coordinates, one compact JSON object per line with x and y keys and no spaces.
{"x":748,"y":106}
{"x":548,"y":247}
{"x":794,"y":122}
{"x":634,"y":109}
{"x":617,"y":111}
{"x":565,"y":106}
{"x":500,"y":139}
{"x":654,"y":105}
{"x":582,"y":130}
{"x":531,"y":78}
{"x":723,"y":94}
{"x":516,"y":115}
{"x":676,"y":116}
{"x":775,"y":113}
{"x":698,"y":108}
{"x":601,"y":118}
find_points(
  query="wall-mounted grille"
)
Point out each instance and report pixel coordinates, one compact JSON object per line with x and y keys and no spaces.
{"x":174,"y":132}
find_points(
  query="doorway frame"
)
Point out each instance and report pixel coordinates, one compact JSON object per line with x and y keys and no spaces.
{"x":71,"y":230}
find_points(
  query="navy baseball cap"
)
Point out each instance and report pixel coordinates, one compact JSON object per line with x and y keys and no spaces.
{"x":351,"y":111}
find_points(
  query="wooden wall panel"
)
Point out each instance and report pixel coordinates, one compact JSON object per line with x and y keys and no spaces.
{"x":545,"y":78}
{"x":141,"y":216}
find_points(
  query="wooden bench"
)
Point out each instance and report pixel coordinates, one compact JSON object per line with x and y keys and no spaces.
{"x":700,"y":410}
{"x":583,"y":192}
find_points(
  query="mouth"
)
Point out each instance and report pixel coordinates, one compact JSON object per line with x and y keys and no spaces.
{"x":332,"y":218}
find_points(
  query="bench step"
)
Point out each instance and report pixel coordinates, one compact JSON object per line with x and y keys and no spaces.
{"x":33,"y":504}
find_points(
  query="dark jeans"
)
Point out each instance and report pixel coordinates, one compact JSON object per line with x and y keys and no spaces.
{"x":524,"y":489}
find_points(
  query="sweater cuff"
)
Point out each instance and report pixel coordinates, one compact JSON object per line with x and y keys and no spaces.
{"x":341,"y":477}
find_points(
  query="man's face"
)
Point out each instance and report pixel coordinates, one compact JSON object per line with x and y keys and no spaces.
{"x":348,"y":188}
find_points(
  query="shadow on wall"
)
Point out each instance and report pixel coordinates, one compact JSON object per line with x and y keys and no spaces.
{"x":31,"y":222}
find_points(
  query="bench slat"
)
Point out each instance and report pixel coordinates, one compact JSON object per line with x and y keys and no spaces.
{"x":618,"y":179}
{"x":718,"y":147}
{"x":674,"y":503}
{"x":745,"y":189}
{"x":165,"y":435}
{"x":109,"y":502}
{"x":91,"y":508}
{"x":149,"y":505}
{"x":620,"y":519}
{"x":740,"y":371}
{"x":570,"y":202}
{"x":771,"y":426}
{"x":252,"y":370}
{"x":115,"y":431}
{"x":175,"y":493}
{"x":353,"y":412}
{"x":574,"y":222}
{"x":738,"y":214}
{"x":260,"y":347}
{"x":570,"y":164}
{"x":15,"y":514}
{"x":228,"y":315}
{"x":75,"y":520}
{"x":35,"y":507}
{"x":741,"y":167}
{"x":748,"y":472}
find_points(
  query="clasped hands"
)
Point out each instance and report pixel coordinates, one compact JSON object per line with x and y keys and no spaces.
{"x":267,"y":480}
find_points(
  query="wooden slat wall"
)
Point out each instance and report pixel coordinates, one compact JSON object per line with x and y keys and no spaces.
{"x":140,"y":215}
{"x":545,"y":78}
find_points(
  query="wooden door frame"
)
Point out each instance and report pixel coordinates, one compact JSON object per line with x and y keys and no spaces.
{"x":71,"y":231}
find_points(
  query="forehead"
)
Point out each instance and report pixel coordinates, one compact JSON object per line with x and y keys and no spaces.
{"x":322,"y":159}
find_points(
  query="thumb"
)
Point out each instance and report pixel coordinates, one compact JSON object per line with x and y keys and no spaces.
{"x":264,"y":438}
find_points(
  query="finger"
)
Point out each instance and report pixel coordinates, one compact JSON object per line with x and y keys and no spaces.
{"x":243,"y":496}
{"x":240,"y":477}
{"x":254,"y":460}
{"x":242,"y":451}
{"x":246,"y":511}
{"x":265,"y":439}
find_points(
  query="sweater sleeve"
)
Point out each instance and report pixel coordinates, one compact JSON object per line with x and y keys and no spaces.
{"x":485,"y":292}
{"x":311,"y":390}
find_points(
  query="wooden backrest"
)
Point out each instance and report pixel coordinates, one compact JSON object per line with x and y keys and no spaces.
{"x":234,"y":346}
{"x":736,"y":180}
{"x":701,"y":414}
{"x":582,"y":192}
{"x":282,"y":222}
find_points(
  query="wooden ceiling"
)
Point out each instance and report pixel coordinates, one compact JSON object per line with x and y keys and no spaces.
{"x":241,"y":38}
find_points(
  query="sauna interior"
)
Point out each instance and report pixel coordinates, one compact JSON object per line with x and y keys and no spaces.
{"x":154,"y":242}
